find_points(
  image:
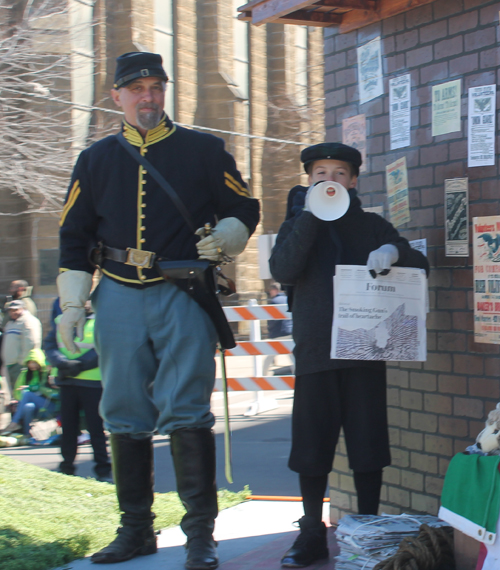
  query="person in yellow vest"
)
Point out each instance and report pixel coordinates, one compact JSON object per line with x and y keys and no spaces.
{"x":79,"y":380}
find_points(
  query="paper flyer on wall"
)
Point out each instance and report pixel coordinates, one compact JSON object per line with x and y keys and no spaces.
{"x":481,"y":135}
{"x":399,"y":111}
{"x":419,"y":245}
{"x":456,"y":203}
{"x":446,"y":108}
{"x":486,"y":248}
{"x":397,"y":192}
{"x":370,"y":73}
{"x":354,"y":134}
{"x":379,"y":319}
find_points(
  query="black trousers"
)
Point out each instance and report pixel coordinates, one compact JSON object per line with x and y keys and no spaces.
{"x":74,"y":399}
{"x":352,"y":398}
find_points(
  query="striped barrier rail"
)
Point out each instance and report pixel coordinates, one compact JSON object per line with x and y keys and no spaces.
{"x":257,"y":347}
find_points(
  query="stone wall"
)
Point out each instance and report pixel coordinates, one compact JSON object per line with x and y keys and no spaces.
{"x":436,"y":408}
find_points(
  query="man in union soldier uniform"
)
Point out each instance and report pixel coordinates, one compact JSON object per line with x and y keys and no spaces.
{"x":156,"y":343}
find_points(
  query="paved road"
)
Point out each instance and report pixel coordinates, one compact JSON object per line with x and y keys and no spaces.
{"x":260,"y":450}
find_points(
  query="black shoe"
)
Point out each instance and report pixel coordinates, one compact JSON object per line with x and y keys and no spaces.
{"x":130,"y":542}
{"x":201,"y":553}
{"x":309,"y":546}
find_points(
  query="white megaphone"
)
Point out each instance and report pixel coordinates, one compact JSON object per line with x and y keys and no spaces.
{"x":327,"y":201}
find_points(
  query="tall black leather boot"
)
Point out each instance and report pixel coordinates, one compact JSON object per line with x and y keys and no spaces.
{"x":193,"y":452}
{"x":134,"y":478}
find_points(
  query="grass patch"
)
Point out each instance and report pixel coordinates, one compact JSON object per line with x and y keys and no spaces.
{"x":48,"y":519}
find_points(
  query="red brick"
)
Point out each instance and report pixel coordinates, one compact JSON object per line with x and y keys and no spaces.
{"x":446,"y":8}
{"x":434,"y":154}
{"x":438,"y":362}
{"x":335,"y":98}
{"x":414,"y":201}
{"x":440,"y":278}
{"x":433,"y":32}
{"x":395,"y":63}
{"x":439,"y":445}
{"x":439,"y":320}
{"x":422,"y":217}
{"x":345,"y":41}
{"x":484,"y":387}
{"x":435,"y":72}
{"x":434,"y":485}
{"x":442,"y":261}
{"x":492,"y":366}
{"x":468,"y":407}
{"x":478,"y":79}
{"x":450,"y":170}
{"x":462,"y":278}
{"x":423,"y":381}
{"x":430,"y":197}
{"x":464,"y":64}
{"x":373,"y":108}
{"x":418,"y":16}
{"x":481,"y":347}
{"x":489,"y":58}
{"x":452,"y":426}
{"x":451,"y":300}
{"x":463,"y":321}
{"x":419,"y":56}
{"x":464,"y":22}
{"x":480,"y":39}
{"x":476,"y":427}
{"x":490,"y":190}
{"x":437,"y":403}
{"x":458,"y":149}
{"x":345,"y":112}
{"x":380,"y":124}
{"x":423,"y":462}
{"x":451,"y":342}
{"x":345,"y":77}
{"x":468,"y":364}
{"x":489,"y":15}
{"x":392,"y":25}
{"x":478,"y":210}
{"x":388,"y":45}
{"x":410,"y":399}
{"x":469,"y":4}
{"x":431,"y":341}
{"x":407,"y":40}
{"x":449,"y":47}
{"x":419,"y":177}
{"x":452,"y":384}
{"x":434,"y":236}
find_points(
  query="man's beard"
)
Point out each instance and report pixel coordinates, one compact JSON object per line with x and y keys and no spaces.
{"x":148,"y":120}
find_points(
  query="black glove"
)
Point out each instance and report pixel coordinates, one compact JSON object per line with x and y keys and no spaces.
{"x":69,"y":369}
{"x":299,"y":201}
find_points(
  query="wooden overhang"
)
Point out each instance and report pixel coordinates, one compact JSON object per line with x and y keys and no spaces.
{"x":348,"y":15}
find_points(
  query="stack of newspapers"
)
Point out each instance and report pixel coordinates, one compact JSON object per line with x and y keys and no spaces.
{"x":366,"y":540}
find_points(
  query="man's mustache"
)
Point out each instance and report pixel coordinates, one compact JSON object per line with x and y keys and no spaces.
{"x":153,"y":106}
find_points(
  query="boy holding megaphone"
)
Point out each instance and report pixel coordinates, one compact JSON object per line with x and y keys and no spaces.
{"x":325,"y":227}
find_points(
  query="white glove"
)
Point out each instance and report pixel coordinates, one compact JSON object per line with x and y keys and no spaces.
{"x":381,"y":259}
{"x":229,"y":237}
{"x":74,"y":290}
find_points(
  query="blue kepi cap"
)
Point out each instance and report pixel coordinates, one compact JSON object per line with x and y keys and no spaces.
{"x":135,"y":64}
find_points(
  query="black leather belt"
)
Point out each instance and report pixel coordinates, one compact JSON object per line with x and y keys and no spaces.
{"x":130,"y":256}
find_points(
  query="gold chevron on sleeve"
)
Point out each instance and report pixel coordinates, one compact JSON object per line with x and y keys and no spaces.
{"x":73,"y":195}
{"x":235,"y":185}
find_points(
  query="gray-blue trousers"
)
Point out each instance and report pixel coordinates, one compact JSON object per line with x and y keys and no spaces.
{"x":156,"y":354}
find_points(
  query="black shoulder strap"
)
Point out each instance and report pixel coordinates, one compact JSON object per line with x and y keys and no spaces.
{"x":172,"y":194}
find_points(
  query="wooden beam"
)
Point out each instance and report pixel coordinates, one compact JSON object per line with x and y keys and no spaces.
{"x":311,"y":18}
{"x":245,"y":16}
{"x":387,"y":8}
{"x":349,"y":4}
{"x":272,"y":10}
{"x":249,"y":5}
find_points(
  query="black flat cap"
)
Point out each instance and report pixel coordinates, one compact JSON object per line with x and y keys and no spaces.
{"x":135,"y":64}
{"x":337,"y":151}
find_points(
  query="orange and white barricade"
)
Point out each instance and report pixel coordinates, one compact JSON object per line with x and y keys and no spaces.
{"x":258,"y":348}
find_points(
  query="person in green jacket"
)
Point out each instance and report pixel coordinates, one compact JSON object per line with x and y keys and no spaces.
{"x":37,"y":397}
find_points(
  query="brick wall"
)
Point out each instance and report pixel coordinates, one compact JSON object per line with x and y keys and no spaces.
{"x":436,"y":408}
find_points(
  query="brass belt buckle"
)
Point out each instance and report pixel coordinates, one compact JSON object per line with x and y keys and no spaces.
{"x":140,"y":258}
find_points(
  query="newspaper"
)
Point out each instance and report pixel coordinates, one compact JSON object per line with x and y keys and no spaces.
{"x":366,"y":540}
{"x":399,"y":111}
{"x":481,"y":135}
{"x":382,"y":318}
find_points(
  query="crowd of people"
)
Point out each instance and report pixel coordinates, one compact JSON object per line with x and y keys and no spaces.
{"x":43,"y":380}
